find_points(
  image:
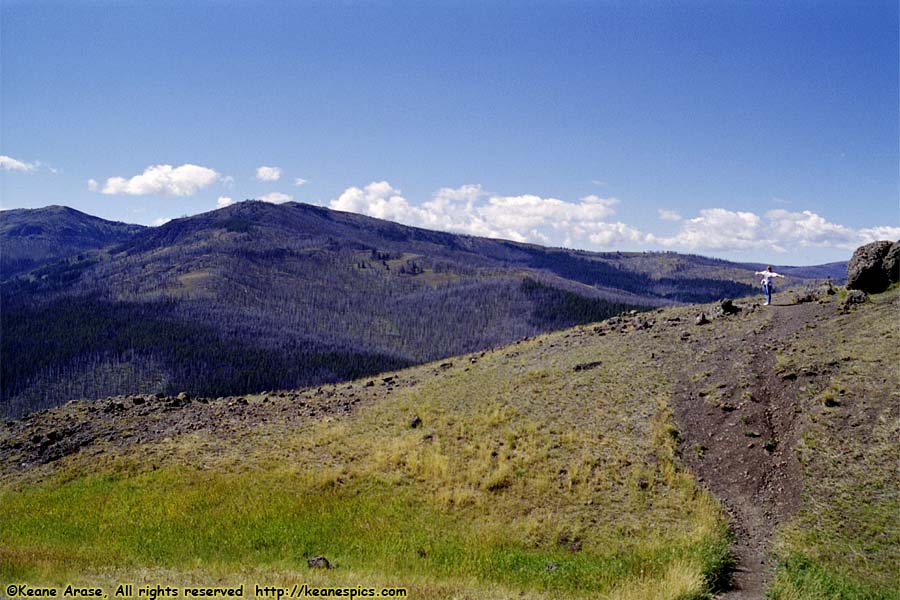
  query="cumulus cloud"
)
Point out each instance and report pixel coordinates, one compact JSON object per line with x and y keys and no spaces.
{"x":300,"y":181}
{"x":719,"y":229}
{"x":809,"y":229}
{"x":275,"y":198}
{"x":588,"y":222}
{"x":164,"y":180}
{"x":93,"y":185}
{"x":471,"y":210}
{"x":779,"y":230}
{"x":160,"y":221}
{"x":8,"y":163}
{"x":224,"y":201}
{"x":268,"y":173}
{"x":873,"y":234}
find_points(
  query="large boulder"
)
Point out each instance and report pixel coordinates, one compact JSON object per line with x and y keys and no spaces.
{"x":865,"y":271}
{"x":891,"y":262}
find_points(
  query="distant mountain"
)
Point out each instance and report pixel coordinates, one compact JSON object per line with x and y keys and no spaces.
{"x":258,"y":296}
{"x":30,"y":237}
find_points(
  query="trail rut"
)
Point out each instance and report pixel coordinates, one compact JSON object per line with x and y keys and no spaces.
{"x":739,"y":439}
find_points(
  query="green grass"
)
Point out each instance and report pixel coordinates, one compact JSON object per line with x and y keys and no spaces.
{"x":174,"y":518}
{"x":525,"y":477}
{"x":799,"y":577}
{"x":844,"y":542}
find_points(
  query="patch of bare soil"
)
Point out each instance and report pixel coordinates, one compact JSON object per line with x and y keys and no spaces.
{"x":739,"y":423}
{"x":48,"y":436}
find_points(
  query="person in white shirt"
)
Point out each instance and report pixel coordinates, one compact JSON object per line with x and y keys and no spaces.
{"x":767,"y":276}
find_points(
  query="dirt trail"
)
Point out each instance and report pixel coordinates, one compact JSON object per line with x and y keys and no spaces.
{"x":739,"y":439}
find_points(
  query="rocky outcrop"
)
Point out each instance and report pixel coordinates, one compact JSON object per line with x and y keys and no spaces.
{"x":891,"y":262}
{"x":866,"y":271}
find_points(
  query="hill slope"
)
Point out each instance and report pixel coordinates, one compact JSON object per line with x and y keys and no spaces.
{"x":257,"y":295}
{"x":31,"y":237}
{"x":555,"y":467}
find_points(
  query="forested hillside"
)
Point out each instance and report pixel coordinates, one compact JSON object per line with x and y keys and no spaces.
{"x":31,"y":237}
{"x":257,"y":296}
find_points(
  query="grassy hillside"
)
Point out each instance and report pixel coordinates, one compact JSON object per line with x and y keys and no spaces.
{"x":550,"y":468}
{"x":844,"y":541}
{"x":533,"y":470}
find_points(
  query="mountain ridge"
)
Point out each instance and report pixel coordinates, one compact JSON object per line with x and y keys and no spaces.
{"x":30,"y":237}
{"x":256,"y":295}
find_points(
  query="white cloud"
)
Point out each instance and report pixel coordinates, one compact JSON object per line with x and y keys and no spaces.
{"x":718,"y":229}
{"x":611,"y":234}
{"x":224,"y":201}
{"x":809,"y":229}
{"x":300,"y":181}
{"x":380,"y":200}
{"x":268,"y":173}
{"x":873,"y":234}
{"x":471,"y":210}
{"x":93,"y":185}
{"x":9,"y":163}
{"x":164,"y":180}
{"x":228,"y":181}
{"x":587,"y":223}
{"x":275,"y":198}
{"x":160,"y":221}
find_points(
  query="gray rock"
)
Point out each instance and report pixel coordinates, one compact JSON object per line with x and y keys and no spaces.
{"x":586,"y":366}
{"x":853,"y":297}
{"x":891,"y":262}
{"x":728,"y":307}
{"x":866,"y":271}
{"x":318,"y":562}
{"x":701,"y":319}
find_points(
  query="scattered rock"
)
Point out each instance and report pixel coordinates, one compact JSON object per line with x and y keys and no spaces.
{"x":446,"y":365}
{"x":318,"y":562}
{"x":587,"y":366}
{"x":728,"y":308}
{"x":551,"y":567}
{"x":826,"y":289}
{"x":415,"y":421}
{"x":866,"y":269}
{"x":852,"y":298}
{"x":701,"y":319}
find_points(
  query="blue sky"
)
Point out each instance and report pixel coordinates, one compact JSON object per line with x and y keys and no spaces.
{"x":760,"y":131}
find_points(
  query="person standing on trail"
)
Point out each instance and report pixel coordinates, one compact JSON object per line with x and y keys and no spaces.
{"x":767,"y":276}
